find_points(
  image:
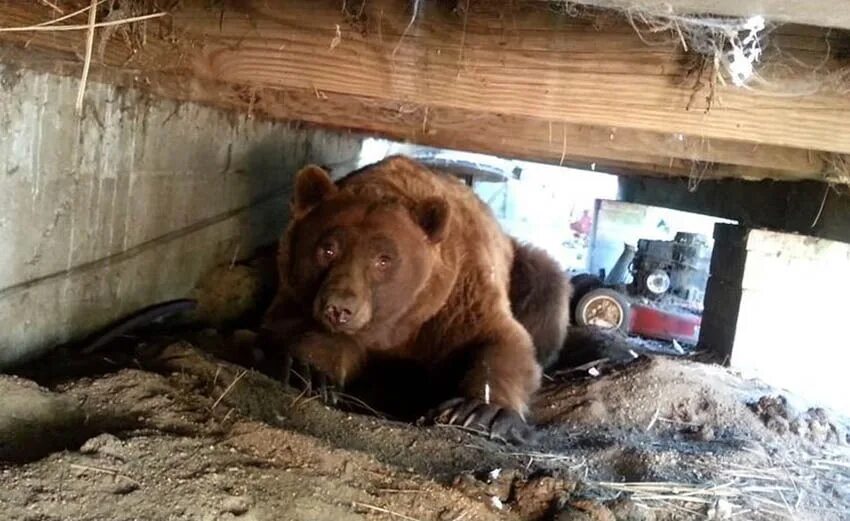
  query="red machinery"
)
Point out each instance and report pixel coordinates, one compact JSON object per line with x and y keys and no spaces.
{"x":665,"y":295}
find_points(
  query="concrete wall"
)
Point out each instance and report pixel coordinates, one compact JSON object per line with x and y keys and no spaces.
{"x":131,"y":203}
{"x":780,"y":206}
{"x":790,"y":328}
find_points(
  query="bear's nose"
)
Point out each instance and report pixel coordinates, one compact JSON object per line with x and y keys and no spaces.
{"x":337,"y":314}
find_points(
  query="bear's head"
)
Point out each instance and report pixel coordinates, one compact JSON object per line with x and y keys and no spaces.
{"x":359,"y":262}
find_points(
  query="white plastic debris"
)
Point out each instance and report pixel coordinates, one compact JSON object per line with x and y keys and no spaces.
{"x":494,"y":474}
{"x":678,"y":347}
{"x":497,"y":503}
{"x":721,"y":510}
{"x":593,"y":372}
{"x":745,"y":50}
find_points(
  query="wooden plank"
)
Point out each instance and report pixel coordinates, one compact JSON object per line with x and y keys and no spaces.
{"x":544,"y":67}
{"x":623,"y":152}
{"x":505,"y":85}
{"x":823,"y":13}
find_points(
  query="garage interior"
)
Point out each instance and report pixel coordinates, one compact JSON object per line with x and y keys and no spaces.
{"x":147,"y":153}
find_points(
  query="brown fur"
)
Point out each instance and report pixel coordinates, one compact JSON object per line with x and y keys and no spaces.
{"x":540,"y":300}
{"x":440,"y":299}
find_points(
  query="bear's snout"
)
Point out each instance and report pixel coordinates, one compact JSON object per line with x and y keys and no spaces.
{"x":337,"y":315}
{"x":341,"y":311}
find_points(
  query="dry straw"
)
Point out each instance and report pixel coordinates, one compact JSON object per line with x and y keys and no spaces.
{"x":55,"y":25}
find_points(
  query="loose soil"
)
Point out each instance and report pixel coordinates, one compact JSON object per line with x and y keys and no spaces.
{"x":162,"y":427}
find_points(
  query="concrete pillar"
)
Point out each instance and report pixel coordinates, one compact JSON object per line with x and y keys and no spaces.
{"x":723,"y":292}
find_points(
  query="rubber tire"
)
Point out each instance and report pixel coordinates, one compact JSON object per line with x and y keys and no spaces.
{"x":614,"y":295}
{"x":581,"y":285}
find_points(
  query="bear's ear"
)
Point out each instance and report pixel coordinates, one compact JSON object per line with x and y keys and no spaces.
{"x":432,"y":214}
{"x":312,"y":186}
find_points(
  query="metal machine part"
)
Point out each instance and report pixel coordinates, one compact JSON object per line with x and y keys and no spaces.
{"x":673,"y":272}
{"x":658,"y":282}
{"x":620,"y":270}
{"x":664,"y":300}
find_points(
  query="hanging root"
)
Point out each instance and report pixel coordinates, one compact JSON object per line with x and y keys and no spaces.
{"x":836,"y":168}
{"x":702,"y":71}
{"x":413,"y":16}
{"x":732,"y":45}
{"x":699,"y":169}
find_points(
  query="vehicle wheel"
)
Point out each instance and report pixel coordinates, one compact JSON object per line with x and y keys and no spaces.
{"x":582,"y":284}
{"x":604,"y":308}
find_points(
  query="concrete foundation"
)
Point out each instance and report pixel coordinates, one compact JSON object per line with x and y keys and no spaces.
{"x":129,"y":204}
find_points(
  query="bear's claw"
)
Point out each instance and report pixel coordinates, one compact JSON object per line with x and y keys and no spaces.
{"x":490,"y":420}
{"x":308,"y":379}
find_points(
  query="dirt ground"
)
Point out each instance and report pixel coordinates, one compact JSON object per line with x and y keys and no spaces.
{"x":167,"y":431}
{"x":161,"y":427}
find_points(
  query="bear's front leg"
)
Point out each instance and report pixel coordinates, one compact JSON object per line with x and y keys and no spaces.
{"x":334,"y":359}
{"x":294,"y":347}
{"x":498,"y":387}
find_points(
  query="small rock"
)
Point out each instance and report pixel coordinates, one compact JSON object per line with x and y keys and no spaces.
{"x":706,"y":433}
{"x":719,"y":511}
{"x":818,"y":432}
{"x":236,"y":505}
{"x":448,"y":514}
{"x":534,"y":498}
{"x":571,"y":514}
{"x":778,"y":425}
{"x":627,"y":510}
{"x":124,"y":486}
{"x":594,"y":510}
{"x":105,"y":444}
{"x":800,"y":427}
{"x":496,"y":503}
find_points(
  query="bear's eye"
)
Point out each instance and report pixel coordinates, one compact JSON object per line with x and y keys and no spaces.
{"x":327,"y":252}
{"x":383,"y":262}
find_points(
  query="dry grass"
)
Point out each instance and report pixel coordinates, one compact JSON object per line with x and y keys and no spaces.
{"x":373,"y":508}
{"x":51,"y":26}
{"x":773,"y":491}
{"x":229,"y":388}
{"x":92,"y":24}
{"x":87,"y":62}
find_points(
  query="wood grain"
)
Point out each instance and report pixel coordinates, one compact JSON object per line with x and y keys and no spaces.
{"x":534,"y":66}
{"x":518,"y":82}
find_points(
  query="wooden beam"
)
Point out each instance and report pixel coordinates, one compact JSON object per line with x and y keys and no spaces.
{"x":823,"y":13}
{"x":520,"y":83}
{"x":616,"y":151}
{"x":543,"y":67}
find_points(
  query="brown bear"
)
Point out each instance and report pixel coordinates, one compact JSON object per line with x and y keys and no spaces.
{"x":396,"y":262}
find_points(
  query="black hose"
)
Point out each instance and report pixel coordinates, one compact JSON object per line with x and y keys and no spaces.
{"x":140,"y":318}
